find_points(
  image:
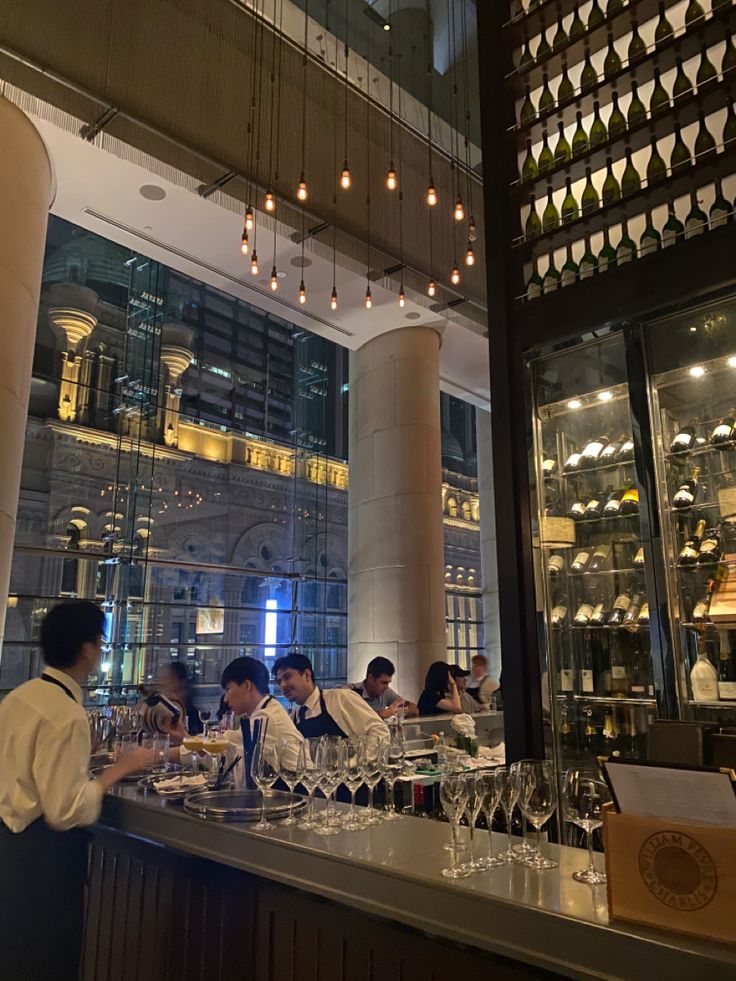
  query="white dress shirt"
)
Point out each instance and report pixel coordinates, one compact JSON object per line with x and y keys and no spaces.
{"x":279,"y":729}
{"x":349,"y":710}
{"x":44,"y":756}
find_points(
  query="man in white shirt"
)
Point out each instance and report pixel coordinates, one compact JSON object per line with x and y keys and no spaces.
{"x":245,"y":681}
{"x":47,"y":796}
{"x":480,"y":684}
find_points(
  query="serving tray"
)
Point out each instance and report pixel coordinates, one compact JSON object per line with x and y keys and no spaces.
{"x":241,"y":805}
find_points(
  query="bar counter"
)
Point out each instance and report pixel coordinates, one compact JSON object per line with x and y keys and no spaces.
{"x":363,"y":905}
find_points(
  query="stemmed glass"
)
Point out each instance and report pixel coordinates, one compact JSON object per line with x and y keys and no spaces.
{"x":489,"y":790}
{"x":392,"y":765}
{"x":538,"y":800}
{"x":310,"y":779}
{"x":524,"y":850}
{"x":454,"y":797}
{"x":372,"y":775}
{"x":583,"y":797}
{"x":354,"y":776}
{"x":472,"y":810}
{"x":508,"y":796}
{"x":265,"y":773}
{"x":204,"y":717}
{"x":330,"y":754}
{"x":293,"y":763}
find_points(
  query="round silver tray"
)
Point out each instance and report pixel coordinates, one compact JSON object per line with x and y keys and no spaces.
{"x":241,"y":805}
{"x":135,"y":777}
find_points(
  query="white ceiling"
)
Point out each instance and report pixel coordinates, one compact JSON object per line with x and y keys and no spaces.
{"x":101,"y":192}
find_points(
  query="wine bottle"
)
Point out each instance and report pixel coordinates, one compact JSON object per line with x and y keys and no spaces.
{"x":588,"y":76}
{"x":617,"y":120}
{"x":595,"y":17}
{"x":570,"y":210}
{"x":636,"y":113}
{"x":565,"y":90}
{"x":706,"y":76}
{"x":612,"y":61}
{"x":600,"y":611}
{"x":600,"y":557}
{"x":580,"y":142}
{"x":611,"y":451}
{"x":637,"y":598}
{"x":693,"y":13}
{"x":614,"y":7}
{"x":729,"y":127}
{"x":684,"y":439}
{"x":590,"y":201}
{"x":620,"y":606}
{"x":643,"y":619}
{"x":703,"y":677}
{"x":527,"y":113}
{"x":535,"y":283}
{"x":583,"y":613}
{"x":663,"y":31}
{"x":656,"y":168}
{"x":682,"y":85}
{"x":569,"y":272}
{"x":688,"y":555}
{"x":609,"y":733}
{"x":630,"y":180}
{"x":563,"y":152}
{"x":696,"y":222}
{"x":580,"y":562}
{"x":629,"y":501}
{"x":725,"y":430}
{"x":576,"y":510}
{"x":525,"y":59}
{"x":529,"y":169}
{"x":559,"y":612}
{"x":552,"y":277}
{"x":727,"y":671}
{"x":555,"y":565}
{"x":651,"y":240}
{"x":688,"y":491}
{"x":546,"y":160}
{"x":701,"y":610}
{"x":592,"y":451}
{"x":680,"y":158}
{"x":598,"y":133}
{"x":560,"y":39}
{"x":546,"y":99}
{"x":589,"y":262}
{"x":639,"y":560}
{"x":729,"y":56}
{"x":549,"y":467}
{"x":626,"y":452}
{"x":572,"y":463}
{"x":594,"y":507}
{"x":587,"y":675}
{"x":611,"y":187}
{"x":544,"y":48}
{"x":533,"y":225}
{"x":711,"y":549}
{"x":607,"y":255}
{"x":720,"y":211}
{"x":659,"y":101}
{"x":620,"y":682}
{"x":673,"y":230}
{"x":613,"y":505}
{"x":577,"y":28}
{"x":550,"y":215}
{"x":626,"y":250}
{"x":705,"y":145}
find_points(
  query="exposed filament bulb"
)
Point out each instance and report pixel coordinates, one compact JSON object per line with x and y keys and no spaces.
{"x":302,"y":293}
{"x":301,"y":190}
{"x":345,"y":179}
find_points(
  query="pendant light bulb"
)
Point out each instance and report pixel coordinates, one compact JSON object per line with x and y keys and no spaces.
{"x":244,"y":243}
{"x":270,"y":200}
{"x":431,"y":194}
{"x":254,"y":263}
{"x":455,"y":275}
{"x":249,"y":220}
{"x":402,"y":296}
{"x":431,"y":287}
{"x":470,"y":255}
{"x":459,"y":210}
{"x":274,"y":279}
{"x":472,"y":230}
{"x":392,"y":181}
{"x":333,"y":298}
{"x":345,"y":179}
{"x":302,"y":293}
{"x":301,"y":191}
{"x":368,"y":299}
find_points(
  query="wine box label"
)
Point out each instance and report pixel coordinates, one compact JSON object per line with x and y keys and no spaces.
{"x":704,"y":689}
{"x":727,"y":690}
{"x":618,"y":672}
{"x":566,"y":680}
{"x":587,"y":679}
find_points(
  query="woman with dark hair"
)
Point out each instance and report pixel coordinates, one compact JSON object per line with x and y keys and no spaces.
{"x":176,"y":684}
{"x":440,"y":691}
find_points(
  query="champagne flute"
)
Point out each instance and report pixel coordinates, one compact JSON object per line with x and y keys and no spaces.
{"x":538,"y":800}
{"x":265,"y":773}
{"x":490,"y":792}
{"x":472,"y":810}
{"x":328,"y":753}
{"x":584,"y":795}
{"x":454,"y":797}
{"x":508,"y":796}
{"x":310,"y":779}
{"x":354,"y":776}
{"x":372,"y":775}
{"x":292,"y":764}
{"x":524,"y":850}
{"x":392,"y":765}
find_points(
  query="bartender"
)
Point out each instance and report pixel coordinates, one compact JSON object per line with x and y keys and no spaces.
{"x":245,"y":684}
{"x":329,"y":712}
{"x":47,"y":796}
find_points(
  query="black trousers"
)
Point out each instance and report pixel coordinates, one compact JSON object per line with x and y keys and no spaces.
{"x":42,"y":879}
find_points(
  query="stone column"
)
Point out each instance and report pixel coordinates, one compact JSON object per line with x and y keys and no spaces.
{"x":72,"y":318}
{"x":176,"y":356}
{"x":396,"y":597}
{"x":489,"y":568}
{"x":25,"y":196}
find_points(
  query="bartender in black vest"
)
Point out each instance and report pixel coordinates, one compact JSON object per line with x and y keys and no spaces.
{"x":46,"y":797}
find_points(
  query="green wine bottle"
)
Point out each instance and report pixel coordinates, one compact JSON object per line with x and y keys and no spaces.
{"x":563,"y":152}
{"x":525,"y":60}
{"x":630,"y":180}
{"x":546,"y":99}
{"x":614,"y":7}
{"x":589,"y":262}
{"x":580,"y":143}
{"x":527,"y":113}
{"x":626,"y":250}
{"x":656,"y":168}
{"x":707,"y":76}
{"x":595,"y":17}
{"x":598,"y":132}
{"x":637,"y":47}
{"x":565,"y":90}
{"x":569,"y":272}
{"x":546,"y":160}
{"x":680,"y":159}
{"x":544,"y":48}
{"x":570,"y":211}
{"x":589,"y":202}
{"x":696,"y":222}
{"x":577,"y":28}
{"x":552,"y":277}
{"x":534,"y":284}
{"x":607,"y":255}
{"x":612,"y":61}
{"x":588,"y":76}
{"x":560,"y":39}
{"x":533,"y":226}
{"x":673,"y":230}
{"x":729,"y":56}
{"x":550,"y":215}
{"x":617,"y":120}
{"x":651,"y":240}
{"x":637,"y":113}
{"x":721,"y":211}
{"x":693,"y":13}
{"x":729,"y":127}
{"x":659,"y":100}
{"x":611,"y":187}
{"x":683,"y":85}
{"x":529,"y":169}
{"x":705,"y":145}
{"x":663,"y":31}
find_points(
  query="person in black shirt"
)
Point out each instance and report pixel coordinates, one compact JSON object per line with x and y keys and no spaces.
{"x":440,"y":691}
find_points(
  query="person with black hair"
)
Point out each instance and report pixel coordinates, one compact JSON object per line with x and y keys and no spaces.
{"x":328,"y":712}
{"x":47,"y":797}
{"x":441,"y":693}
{"x":245,"y":684}
{"x":375,"y":690}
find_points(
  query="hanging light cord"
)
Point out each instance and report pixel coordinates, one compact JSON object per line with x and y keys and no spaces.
{"x":304,"y":87}
{"x":466,"y":73}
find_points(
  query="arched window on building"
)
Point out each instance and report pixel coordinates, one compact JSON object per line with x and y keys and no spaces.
{"x":452,"y":507}
{"x":467,"y":511}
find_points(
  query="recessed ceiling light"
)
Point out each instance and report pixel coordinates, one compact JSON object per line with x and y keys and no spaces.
{"x":412,"y":315}
{"x":152,"y":192}
{"x":301,"y":262}
{"x":732,"y":362}
{"x":697,"y":371}
{"x":605,"y":396}
{"x":574,"y":404}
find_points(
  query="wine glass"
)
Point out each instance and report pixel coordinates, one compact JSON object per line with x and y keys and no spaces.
{"x":372,"y":774}
{"x":215,"y":745}
{"x":454,"y":797}
{"x":310,"y":779}
{"x":292,"y":764}
{"x":583,"y":797}
{"x":329,"y":753}
{"x":204,"y":717}
{"x":392,"y":766}
{"x":354,"y":776}
{"x":538,"y":800}
{"x":489,"y":790}
{"x":472,"y":810}
{"x":508,"y":796}
{"x":524,"y":850}
{"x":265,"y":773}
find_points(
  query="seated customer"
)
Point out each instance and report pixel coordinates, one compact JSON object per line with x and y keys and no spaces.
{"x":480,"y":684}
{"x":375,"y":690}
{"x":440,"y":693}
{"x":467,"y":703}
{"x":175,"y":684}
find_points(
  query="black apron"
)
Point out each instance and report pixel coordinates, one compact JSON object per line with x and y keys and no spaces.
{"x":42,"y":910}
{"x":249,"y":743}
{"x":324,"y":725}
